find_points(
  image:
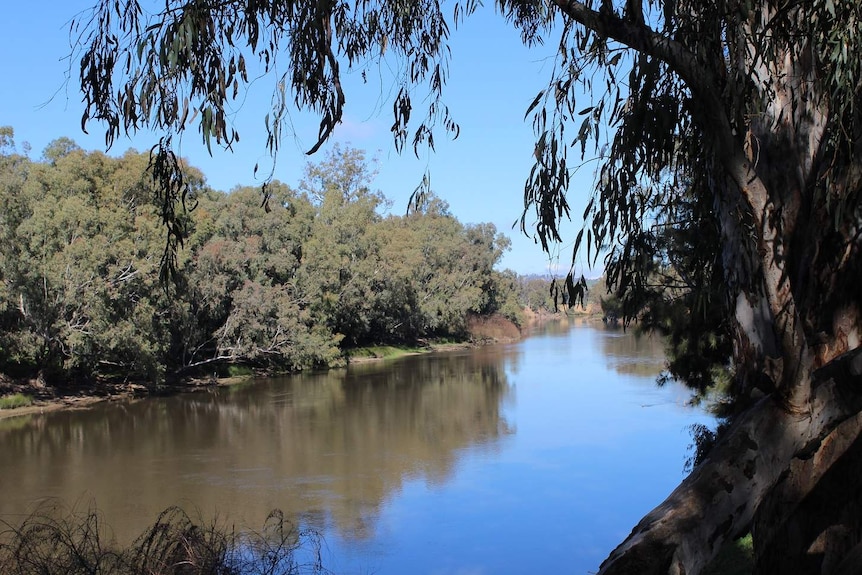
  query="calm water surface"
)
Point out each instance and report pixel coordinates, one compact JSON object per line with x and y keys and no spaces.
{"x":536,"y":457}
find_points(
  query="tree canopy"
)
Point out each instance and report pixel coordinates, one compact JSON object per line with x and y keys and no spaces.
{"x":726,"y":200}
{"x":280,"y":290}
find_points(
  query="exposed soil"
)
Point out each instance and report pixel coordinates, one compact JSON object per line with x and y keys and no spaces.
{"x":492,"y":329}
{"x":482,"y":330}
{"x":51,"y":398}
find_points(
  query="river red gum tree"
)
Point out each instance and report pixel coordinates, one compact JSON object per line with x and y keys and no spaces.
{"x":733,"y":123}
{"x":779,"y":143}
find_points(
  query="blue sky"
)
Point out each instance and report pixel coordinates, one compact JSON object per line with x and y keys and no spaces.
{"x":493,"y":79}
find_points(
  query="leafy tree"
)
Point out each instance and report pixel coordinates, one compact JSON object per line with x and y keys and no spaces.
{"x":396,"y":290}
{"x":736,"y":133}
{"x":79,"y":273}
{"x":743,"y":112}
{"x":279,"y":289}
{"x":14,"y":169}
{"x":374,"y":279}
{"x":341,"y":257}
{"x":453,"y":268}
{"x":243,"y":302}
{"x":533,"y":293}
{"x":503,"y":296}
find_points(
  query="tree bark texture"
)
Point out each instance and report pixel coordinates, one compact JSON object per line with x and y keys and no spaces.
{"x":767,"y":453}
{"x":812,"y":519}
{"x":791,"y":228}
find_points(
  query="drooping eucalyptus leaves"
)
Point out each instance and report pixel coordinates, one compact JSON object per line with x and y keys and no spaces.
{"x":186,"y":65}
{"x":727,"y":143}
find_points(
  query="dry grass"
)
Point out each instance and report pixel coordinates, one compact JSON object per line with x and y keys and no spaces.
{"x":495,"y":328}
{"x":53,"y":542}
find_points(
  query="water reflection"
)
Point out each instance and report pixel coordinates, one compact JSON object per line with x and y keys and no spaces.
{"x":537,"y":456}
{"x":631,"y":353}
{"x":327,"y":449}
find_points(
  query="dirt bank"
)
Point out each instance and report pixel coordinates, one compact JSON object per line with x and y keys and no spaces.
{"x":52,"y":398}
{"x":482,"y":331}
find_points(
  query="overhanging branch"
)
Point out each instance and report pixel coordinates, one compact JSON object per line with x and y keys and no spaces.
{"x":634,"y":33}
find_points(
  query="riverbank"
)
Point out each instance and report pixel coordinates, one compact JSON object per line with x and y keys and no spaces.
{"x":348,"y":445}
{"x":388,"y":352}
{"x":45,"y":398}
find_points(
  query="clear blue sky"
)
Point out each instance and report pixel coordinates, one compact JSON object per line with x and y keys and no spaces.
{"x":493,"y":79}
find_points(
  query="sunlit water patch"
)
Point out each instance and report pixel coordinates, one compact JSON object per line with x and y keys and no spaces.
{"x":535,"y":457}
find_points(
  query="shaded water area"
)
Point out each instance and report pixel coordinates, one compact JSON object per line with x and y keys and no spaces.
{"x":538,"y":456}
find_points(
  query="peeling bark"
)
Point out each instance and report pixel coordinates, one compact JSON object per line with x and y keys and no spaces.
{"x":812,"y":519}
{"x":792,"y":262}
{"x":720,"y":499}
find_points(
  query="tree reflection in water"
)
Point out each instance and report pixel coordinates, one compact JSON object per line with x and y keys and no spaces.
{"x":409,"y":466}
{"x":328,"y":449}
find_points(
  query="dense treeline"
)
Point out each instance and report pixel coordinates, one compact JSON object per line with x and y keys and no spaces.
{"x":283,"y":288}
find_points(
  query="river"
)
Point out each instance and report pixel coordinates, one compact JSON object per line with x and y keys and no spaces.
{"x":534,"y":457}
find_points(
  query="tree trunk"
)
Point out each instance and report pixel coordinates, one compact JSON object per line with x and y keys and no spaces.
{"x":767,"y":450}
{"x":807,"y":526}
{"x":788,"y":210}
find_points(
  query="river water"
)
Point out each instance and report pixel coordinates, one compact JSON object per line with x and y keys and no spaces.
{"x":534,"y":457}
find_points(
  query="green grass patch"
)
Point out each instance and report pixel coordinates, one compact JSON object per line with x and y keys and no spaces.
{"x":735,"y":558}
{"x":382,"y":351}
{"x":239,"y":371}
{"x":15,"y":400}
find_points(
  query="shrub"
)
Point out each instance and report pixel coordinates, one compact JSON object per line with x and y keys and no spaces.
{"x":15,"y":400}
{"x":51,"y":542}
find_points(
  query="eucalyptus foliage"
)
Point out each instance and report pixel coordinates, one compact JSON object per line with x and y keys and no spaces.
{"x":278,"y":290}
{"x":674,"y":90}
{"x":726,"y":208}
{"x":184,"y":65}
